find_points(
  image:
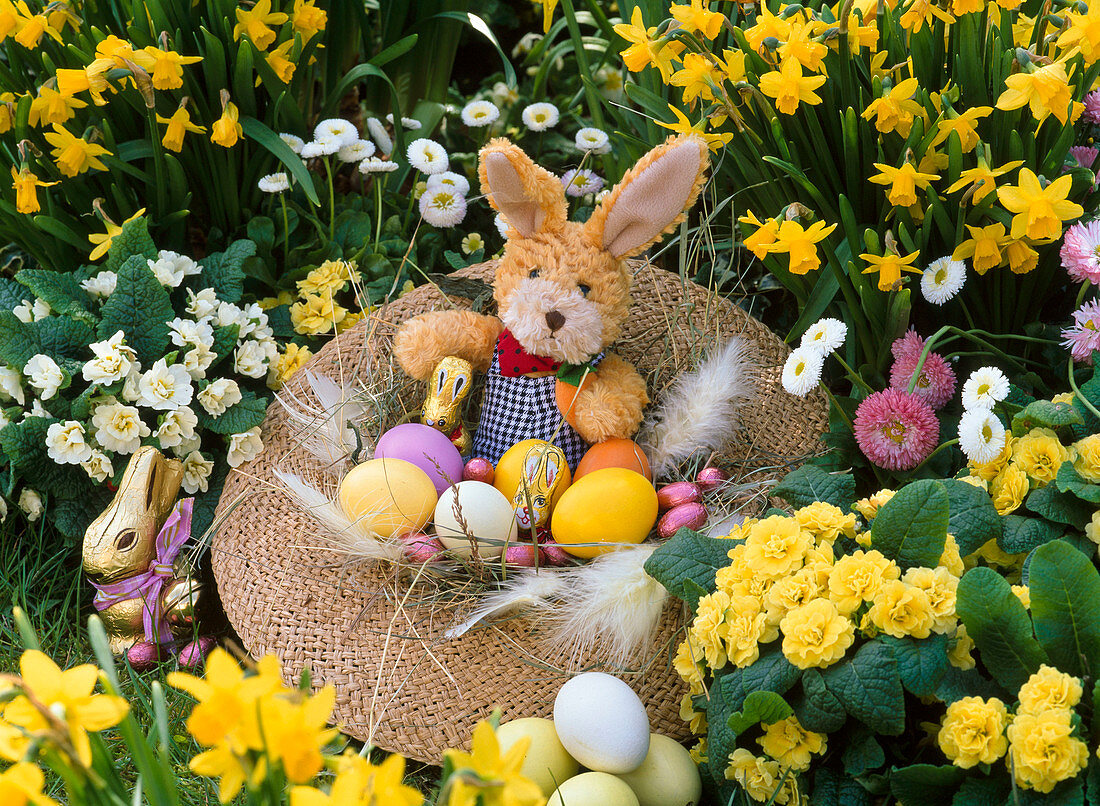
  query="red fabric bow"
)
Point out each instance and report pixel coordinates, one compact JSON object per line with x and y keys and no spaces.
{"x":515,"y":361}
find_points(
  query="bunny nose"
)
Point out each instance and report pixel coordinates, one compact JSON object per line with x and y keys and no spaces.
{"x":555,"y":321}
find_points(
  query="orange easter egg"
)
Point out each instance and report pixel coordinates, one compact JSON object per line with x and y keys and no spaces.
{"x":564,"y":394}
{"x":614,"y":453}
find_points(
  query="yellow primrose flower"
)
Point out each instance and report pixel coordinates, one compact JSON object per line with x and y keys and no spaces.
{"x":791,"y":744}
{"x":316,"y":314}
{"x":869,"y":507}
{"x":697,"y":719}
{"x":1047,"y":689}
{"x":709,"y":627}
{"x":281,"y":62}
{"x":982,"y":178}
{"x":746,"y":626}
{"x":889,"y":268}
{"x":697,"y":17}
{"x":66,"y":694}
{"x":166,"y":67}
{"x":964,"y":126}
{"x":103,"y":241}
{"x":951,"y":561}
{"x":1087,"y":463}
{"x":1009,"y":489}
{"x":921,"y":12}
{"x":800,"y":244}
{"x":826,"y":521}
{"x":959,"y":655}
{"x":490,"y":770}
{"x":644,"y":50}
{"x":973,"y":731}
{"x":1039,"y":212}
{"x":789,"y":87}
{"x":696,"y":78}
{"x":308,"y":20}
{"x":816,"y":635}
{"x":26,"y":186}
{"x":901,"y":610}
{"x":1040,"y":454}
{"x":256,"y":22}
{"x":776,"y":546}
{"x":328,"y":278}
{"x":22,"y":784}
{"x":941,"y":586}
{"x":688,"y":663}
{"x":983,"y":247}
{"x":1045,"y":89}
{"x":1023,"y":593}
{"x":350,"y":320}
{"x":857,"y":577}
{"x":360,"y":782}
{"x":226,"y":129}
{"x":683,"y":126}
{"x":178,"y":126}
{"x":757,"y":776}
{"x":1021,"y":257}
{"x":292,"y":360}
{"x":903,"y":182}
{"x":74,"y":155}
{"x":51,"y":106}
{"x":1082,"y":32}
{"x":896,"y":110}
{"x":1043,"y":749}
{"x":31,"y":27}
{"x":761,"y":241}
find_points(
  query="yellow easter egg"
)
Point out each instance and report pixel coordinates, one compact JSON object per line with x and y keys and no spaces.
{"x":547,"y":763}
{"x":593,"y":789}
{"x":509,"y":471}
{"x":612,"y":505}
{"x":388,"y":496}
{"x":667,"y":777}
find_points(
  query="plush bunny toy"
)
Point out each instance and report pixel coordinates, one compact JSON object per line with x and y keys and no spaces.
{"x":563,"y":291}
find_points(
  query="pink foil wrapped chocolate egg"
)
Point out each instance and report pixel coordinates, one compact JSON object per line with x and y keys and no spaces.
{"x":144,"y":655}
{"x":554,"y":553}
{"x":677,"y":493}
{"x":420,"y":548}
{"x":710,"y":478}
{"x":686,"y":516}
{"x":524,"y":555}
{"x":194,"y":653}
{"x":479,"y":469}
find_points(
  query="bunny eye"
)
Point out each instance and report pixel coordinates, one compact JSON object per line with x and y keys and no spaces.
{"x":584,"y":289}
{"x":533,"y":274}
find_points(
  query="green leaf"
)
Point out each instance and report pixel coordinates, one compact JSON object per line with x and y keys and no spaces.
{"x":246,"y":414}
{"x":688,"y":555}
{"x":140,"y":308}
{"x":925,"y":784}
{"x":1045,"y":414}
{"x":862,"y":754}
{"x":997,"y":622}
{"x":18,"y":341}
{"x":12,"y":294}
{"x":60,"y":290}
{"x":82,"y":403}
{"x":832,"y":788}
{"x":73,"y":516}
{"x":1070,"y":481}
{"x":1024,"y":534}
{"x":911,"y":528}
{"x":974,"y":520}
{"x":1065,"y":607}
{"x":255,"y":130}
{"x":957,"y":683}
{"x":1067,"y":793}
{"x":224,"y":271}
{"x":225,"y":339}
{"x":870,"y":688}
{"x":818,"y":709}
{"x":921,"y":662}
{"x":1059,"y":507}
{"x":977,"y":791}
{"x":810,"y":483}
{"x":133,"y":241}
{"x":759,"y":707}
{"x":64,"y":337}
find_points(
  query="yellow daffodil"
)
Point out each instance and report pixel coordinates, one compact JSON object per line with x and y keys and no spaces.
{"x":1045,"y":89}
{"x":964,"y":126}
{"x":166,"y":67}
{"x":1082,"y":32}
{"x":51,"y":106}
{"x":7,"y":111}
{"x":1039,"y":212}
{"x":356,"y":777}
{"x":789,"y":87}
{"x":31,"y":27}
{"x":1021,"y":257}
{"x":982,"y":178}
{"x":761,"y":241}
{"x":26,"y":186}
{"x":859,"y":35}
{"x":103,"y":241}
{"x":960,"y":7}
{"x":92,"y":79}
{"x":68,"y":696}
{"x":281,"y":62}
{"x":485,"y":769}
{"x":802,"y":46}
{"x":683,"y":126}
{"x":697,"y":17}
{"x":696,"y":78}
{"x":75,"y":155}
{"x":800,"y":244}
{"x":983,"y":247}
{"x":896,"y":109}
{"x":22,"y":784}
{"x":116,"y":49}
{"x":889,"y":268}
{"x":295,"y":733}
{"x":9,"y":19}
{"x":178,"y":126}
{"x":60,"y":15}
{"x":307,"y":19}
{"x":644,"y":50}
{"x":222,"y":763}
{"x":256,"y":22}
{"x":767,"y":26}
{"x":903,"y":182}
{"x":226,"y":129}
{"x":932,"y":162}
{"x":921,"y":12}
{"x":733,"y":65}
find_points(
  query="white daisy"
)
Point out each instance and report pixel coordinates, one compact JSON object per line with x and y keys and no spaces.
{"x":427,"y":156}
{"x":985,"y":388}
{"x":480,"y":113}
{"x":31,"y":504}
{"x":244,"y":447}
{"x":380,"y":136}
{"x":442,"y":207}
{"x":540,"y":117}
{"x":274,"y":183}
{"x":802,"y":372}
{"x":164,"y":387}
{"x":450,"y":180}
{"x":981,"y":436}
{"x":336,"y":129}
{"x":827,"y":335}
{"x":177,"y":427}
{"x":412,"y":124}
{"x":373,"y":165}
{"x":320,"y":148}
{"x":356,"y":152}
{"x":65,"y":443}
{"x":501,"y":224}
{"x":581,"y":182}
{"x":101,"y":285}
{"x":293,"y":141}
{"x":119,"y":428}
{"x":43,"y":373}
{"x":98,"y":466}
{"x":196,"y":473}
{"x":593,"y":139}
{"x":219,"y":396}
{"x":942,"y":280}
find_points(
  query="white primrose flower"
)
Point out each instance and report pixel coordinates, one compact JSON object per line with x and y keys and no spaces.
{"x":3,"y":510}
{"x":540,"y":117}
{"x":981,"y":435}
{"x":480,"y":113}
{"x":321,"y":148}
{"x":27,"y":312}
{"x":451,"y":180}
{"x":274,"y":183}
{"x":101,"y":285}
{"x":65,"y":443}
{"x":44,"y":374}
{"x":197,"y":360}
{"x":427,"y":156}
{"x":412,"y":124}
{"x":31,"y":504}
{"x":11,"y":384}
{"x":442,"y":207}
{"x":802,"y":371}
{"x":188,"y":332}
{"x":171,"y":267}
{"x":219,"y":396}
{"x":202,"y":304}
{"x":826,"y":334}
{"x":244,"y":447}
{"x":293,"y":141}
{"x":176,"y":427}
{"x":131,"y":393}
{"x":942,"y":280}
{"x":380,"y":136}
{"x":593,"y":139}
{"x":196,"y":473}
{"x":984,"y":389}
{"x":373,"y":165}
{"x":187,"y":446}
{"x":98,"y":466}
{"x":337,"y":129}
{"x":4,"y":420}
{"x":119,"y":428}
{"x":113,"y":361}
{"x":356,"y":152}
{"x":251,"y":359}
{"x":36,"y":410}
{"x":164,"y":387}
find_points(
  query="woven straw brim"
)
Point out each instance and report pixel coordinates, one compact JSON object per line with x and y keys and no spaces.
{"x":399,"y":684}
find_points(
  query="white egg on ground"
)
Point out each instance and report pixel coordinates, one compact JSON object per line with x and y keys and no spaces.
{"x":547,"y":763}
{"x":602,"y":723}
{"x":667,"y":777}
{"x":593,"y":789}
{"x":479,"y":510}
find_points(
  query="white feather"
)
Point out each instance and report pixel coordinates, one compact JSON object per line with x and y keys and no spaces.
{"x":521,"y":590}
{"x":699,"y":412}
{"x":344,"y":535}
{"x":325,"y":425}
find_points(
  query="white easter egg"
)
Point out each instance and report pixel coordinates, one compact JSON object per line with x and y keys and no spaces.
{"x":602,"y":723}
{"x":477,"y":509}
{"x":546,"y":762}
{"x":593,"y":789}
{"x":667,"y":777}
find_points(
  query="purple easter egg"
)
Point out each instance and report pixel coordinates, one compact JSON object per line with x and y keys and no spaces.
{"x":143,"y":655}
{"x":194,"y":654}
{"x":686,"y":516}
{"x":426,"y":448}
{"x":555,"y":554}
{"x":711,"y":478}
{"x":523,"y":555}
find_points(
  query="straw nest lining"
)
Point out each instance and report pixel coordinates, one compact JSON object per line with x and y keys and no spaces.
{"x":399,"y":684}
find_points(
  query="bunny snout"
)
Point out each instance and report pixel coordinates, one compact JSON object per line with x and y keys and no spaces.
{"x":553,"y":320}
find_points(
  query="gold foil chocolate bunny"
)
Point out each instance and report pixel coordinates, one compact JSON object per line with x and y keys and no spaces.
{"x":448,"y":387}
{"x":144,"y":592}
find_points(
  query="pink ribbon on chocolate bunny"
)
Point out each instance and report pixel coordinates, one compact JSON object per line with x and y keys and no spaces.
{"x":149,"y":584}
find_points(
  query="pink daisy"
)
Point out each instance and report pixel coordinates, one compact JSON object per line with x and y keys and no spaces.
{"x":908,"y":344}
{"x":1092,"y":106}
{"x":1083,"y":336}
{"x":1085,"y":157}
{"x":1081,"y":251}
{"x":896,"y":430}
{"x":936,"y":382}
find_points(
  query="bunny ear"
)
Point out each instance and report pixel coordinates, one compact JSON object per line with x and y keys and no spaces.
{"x":651,"y":198}
{"x":530,"y":198}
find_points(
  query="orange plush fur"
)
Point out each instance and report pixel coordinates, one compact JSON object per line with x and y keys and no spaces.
{"x":574,"y":272}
